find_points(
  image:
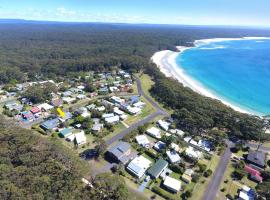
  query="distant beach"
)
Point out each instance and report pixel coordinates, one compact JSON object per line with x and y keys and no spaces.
{"x":166,"y":62}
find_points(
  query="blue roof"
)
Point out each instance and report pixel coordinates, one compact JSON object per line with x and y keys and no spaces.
{"x":134,"y":99}
{"x":65,"y":131}
{"x":50,"y":124}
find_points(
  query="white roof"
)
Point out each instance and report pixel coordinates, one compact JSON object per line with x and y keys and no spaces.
{"x":68,"y":99}
{"x":172,"y":183}
{"x":101,"y":108}
{"x":70,"y":138}
{"x":191,"y":152}
{"x":243,"y":196}
{"x":155,"y":132}
{"x":117,"y":111}
{"x":81,"y":96}
{"x":139,"y":104}
{"x":175,"y":146}
{"x":45,"y":106}
{"x":138,"y":166}
{"x":187,"y":139}
{"x":80,"y":138}
{"x":112,"y":119}
{"x":173,"y":156}
{"x":85,"y":114}
{"x":142,"y":140}
{"x":193,"y":142}
{"x":133,"y":110}
{"x":107,"y":115}
{"x":246,"y":188}
{"x":123,"y":116}
{"x":163,"y":124}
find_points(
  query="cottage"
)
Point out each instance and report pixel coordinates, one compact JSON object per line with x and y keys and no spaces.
{"x":117,"y":111}
{"x":154,"y":132}
{"x":45,"y":107}
{"x":67,"y":94}
{"x":159,"y":146}
{"x":246,"y":194}
{"x":134,"y":99}
{"x":254,"y":174}
{"x":133,"y":110}
{"x":97,"y":127}
{"x":107,"y":115}
{"x":66,"y":132}
{"x":205,"y":145}
{"x":172,"y":184}
{"x":157,"y":168}
{"x":173,"y":156}
{"x":101,"y":108}
{"x":138,"y":166}
{"x":80,"y":138}
{"x":256,"y":158}
{"x":81,"y":96}
{"x":35,"y":110}
{"x":175,"y":147}
{"x":143,"y":141}
{"x":121,"y":152}
{"x":50,"y":124}
{"x":139,"y":104}
{"x":91,"y":107}
{"x":117,"y":100}
{"x":103,"y":91}
{"x":57,"y":102}
{"x":68,"y":100}
{"x":191,"y":152}
{"x":163,"y":125}
{"x":177,"y":132}
{"x":112,"y":120}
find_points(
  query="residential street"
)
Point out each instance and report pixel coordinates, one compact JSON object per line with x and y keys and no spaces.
{"x":212,"y":188}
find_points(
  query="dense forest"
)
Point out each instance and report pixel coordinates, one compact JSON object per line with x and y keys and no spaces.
{"x":32,"y":167}
{"x":31,"y":50}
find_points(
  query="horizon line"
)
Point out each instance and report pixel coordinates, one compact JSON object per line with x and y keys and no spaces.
{"x":135,"y":23}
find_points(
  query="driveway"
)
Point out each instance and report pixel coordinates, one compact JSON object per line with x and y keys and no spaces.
{"x":143,"y":185}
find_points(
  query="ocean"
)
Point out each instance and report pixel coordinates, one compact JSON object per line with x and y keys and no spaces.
{"x":235,"y":71}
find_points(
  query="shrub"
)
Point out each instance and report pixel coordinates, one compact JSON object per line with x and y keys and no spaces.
{"x":162,"y":193}
{"x":150,"y":154}
{"x":207,"y":173}
{"x":177,"y":169}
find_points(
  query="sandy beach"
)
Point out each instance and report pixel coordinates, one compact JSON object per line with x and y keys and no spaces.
{"x":166,"y":62}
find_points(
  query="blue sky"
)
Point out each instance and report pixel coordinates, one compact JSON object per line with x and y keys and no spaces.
{"x":199,"y":12}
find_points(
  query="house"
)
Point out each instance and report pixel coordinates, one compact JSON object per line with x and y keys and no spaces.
{"x":80,"y":138}
{"x":66,"y":132}
{"x":157,"y":168}
{"x":57,"y":102}
{"x":50,"y":124}
{"x":173,"y":156}
{"x":175,"y":147}
{"x":103,"y":91}
{"x":113,"y":89}
{"x":117,"y":111}
{"x":134,"y":99}
{"x":85,"y":114}
{"x":27,"y":115}
{"x":187,"y":176}
{"x":91,"y":107}
{"x":164,"y":125}
{"x":246,"y":194}
{"x":138,"y":166}
{"x":35,"y":110}
{"x":101,"y":108}
{"x":133,"y":110}
{"x":159,"y":146}
{"x":121,"y":152}
{"x":172,"y":184}
{"x":154,"y":132}
{"x":45,"y":107}
{"x":192,"y":153}
{"x":13,"y":105}
{"x":205,"y":145}
{"x":139,"y":104}
{"x":143,"y":141}
{"x":81,"y":96}
{"x":123,"y":117}
{"x":177,"y":132}
{"x":117,"y":100}
{"x":107,"y":115}
{"x":65,"y":117}
{"x":254,"y":174}
{"x":112,"y":120}
{"x":187,"y":139}
{"x":256,"y":158}
{"x":68,"y":100}
{"x":97,"y":127}
{"x":67,"y":94}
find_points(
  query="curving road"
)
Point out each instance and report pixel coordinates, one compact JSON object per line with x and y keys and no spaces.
{"x":159,"y":112}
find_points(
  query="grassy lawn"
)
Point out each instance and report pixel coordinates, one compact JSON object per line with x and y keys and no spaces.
{"x":201,"y":185}
{"x":117,"y":129}
{"x":230,"y":186}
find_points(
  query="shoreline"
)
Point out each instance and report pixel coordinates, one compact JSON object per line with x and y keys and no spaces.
{"x":166,"y":62}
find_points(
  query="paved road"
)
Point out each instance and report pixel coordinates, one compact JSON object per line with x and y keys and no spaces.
{"x":212,"y":188}
{"x":149,"y":118}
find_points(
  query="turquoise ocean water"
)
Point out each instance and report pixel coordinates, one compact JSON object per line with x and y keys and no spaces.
{"x":237,"y":71}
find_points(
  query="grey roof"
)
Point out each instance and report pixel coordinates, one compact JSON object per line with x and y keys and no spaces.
{"x":50,"y":124}
{"x":120,"y":149}
{"x":157,"y":168}
{"x":256,"y":157}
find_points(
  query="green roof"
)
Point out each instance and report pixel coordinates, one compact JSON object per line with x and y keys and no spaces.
{"x":157,"y":168}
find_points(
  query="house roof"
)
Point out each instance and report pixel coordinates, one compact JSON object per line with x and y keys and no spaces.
{"x":155,"y":132}
{"x":50,"y":124}
{"x":173,"y":156}
{"x":157,"y":168}
{"x":172,"y":183}
{"x":35,"y":110}
{"x":142,"y":140}
{"x":120,"y":149}
{"x":256,"y":157}
{"x":80,"y":137}
{"x":65,"y":132}
{"x":138,"y":166}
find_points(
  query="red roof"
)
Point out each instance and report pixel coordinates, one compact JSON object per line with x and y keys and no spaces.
{"x":254,"y":173}
{"x":35,"y":110}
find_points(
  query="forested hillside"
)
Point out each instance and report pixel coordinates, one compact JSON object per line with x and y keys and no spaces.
{"x":29,"y":50}
{"x":32,"y":167}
